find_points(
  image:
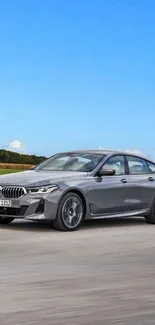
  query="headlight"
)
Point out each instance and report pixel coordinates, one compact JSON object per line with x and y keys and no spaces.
{"x":42,"y":189}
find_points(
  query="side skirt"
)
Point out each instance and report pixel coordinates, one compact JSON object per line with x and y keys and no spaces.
{"x":119,"y":215}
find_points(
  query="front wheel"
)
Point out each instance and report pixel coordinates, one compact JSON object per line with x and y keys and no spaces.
{"x":5,"y":220}
{"x":70,"y":213}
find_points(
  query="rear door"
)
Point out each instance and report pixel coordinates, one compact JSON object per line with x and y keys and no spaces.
{"x":141,"y":183}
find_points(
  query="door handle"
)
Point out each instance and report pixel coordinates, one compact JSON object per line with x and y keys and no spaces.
{"x":123,"y":180}
{"x":151,"y":179}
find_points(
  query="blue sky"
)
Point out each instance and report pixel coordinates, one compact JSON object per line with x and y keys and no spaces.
{"x":77,"y":74}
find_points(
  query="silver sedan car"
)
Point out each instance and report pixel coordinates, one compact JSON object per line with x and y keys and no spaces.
{"x":74,"y":186}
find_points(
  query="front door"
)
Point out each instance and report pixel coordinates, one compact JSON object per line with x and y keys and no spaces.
{"x":109,"y":194}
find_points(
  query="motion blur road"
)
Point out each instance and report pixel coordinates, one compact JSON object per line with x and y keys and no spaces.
{"x":102,"y":274}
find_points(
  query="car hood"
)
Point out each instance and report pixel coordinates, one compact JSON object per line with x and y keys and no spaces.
{"x":38,"y":178}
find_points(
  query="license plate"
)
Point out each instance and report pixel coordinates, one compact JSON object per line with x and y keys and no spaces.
{"x":5,"y":203}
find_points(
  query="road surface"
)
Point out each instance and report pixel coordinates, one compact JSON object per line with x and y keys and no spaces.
{"x":103,"y":274}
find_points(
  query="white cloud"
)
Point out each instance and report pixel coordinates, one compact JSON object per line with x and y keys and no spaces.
{"x":132,"y":151}
{"x":152,"y":156}
{"x":135,"y":152}
{"x":100,"y":148}
{"x":16,"y":145}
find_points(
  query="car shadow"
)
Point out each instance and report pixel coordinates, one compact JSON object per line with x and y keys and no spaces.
{"x":113,"y":222}
{"x":24,"y":225}
{"x":27,"y":225}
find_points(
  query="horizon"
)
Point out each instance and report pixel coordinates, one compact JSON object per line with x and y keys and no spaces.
{"x":132,"y":151}
{"x":77,"y":75}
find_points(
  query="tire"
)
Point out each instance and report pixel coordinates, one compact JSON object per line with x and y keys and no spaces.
{"x":5,"y":221}
{"x":150,"y":218}
{"x":69,"y":217}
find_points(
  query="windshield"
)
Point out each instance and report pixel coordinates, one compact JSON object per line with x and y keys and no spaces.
{"x":77,"y":162}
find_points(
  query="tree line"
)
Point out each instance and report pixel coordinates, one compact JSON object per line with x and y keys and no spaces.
{"x":9,"y":157}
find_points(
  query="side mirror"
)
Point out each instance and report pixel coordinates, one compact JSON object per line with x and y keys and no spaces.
{"x":107,"y":171}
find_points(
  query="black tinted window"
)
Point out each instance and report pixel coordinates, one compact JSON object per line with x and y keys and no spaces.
{"x":137,"y":165}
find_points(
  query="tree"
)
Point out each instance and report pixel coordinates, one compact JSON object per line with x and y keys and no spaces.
{"x":7,"y":156}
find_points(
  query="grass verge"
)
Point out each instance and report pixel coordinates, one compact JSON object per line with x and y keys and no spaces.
{"x":8,"y":171}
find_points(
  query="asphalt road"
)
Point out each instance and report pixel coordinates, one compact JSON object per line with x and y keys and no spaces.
{"x":103,"y":274}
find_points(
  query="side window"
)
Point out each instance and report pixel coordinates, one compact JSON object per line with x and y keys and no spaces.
{"x":137,"y":165}
{"x":117,"y":163}
{"x":151,"y":167}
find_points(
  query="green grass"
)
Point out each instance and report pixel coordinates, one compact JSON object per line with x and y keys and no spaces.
{"x":8,"y":171}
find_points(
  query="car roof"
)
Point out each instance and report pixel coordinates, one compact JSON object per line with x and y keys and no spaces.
{"x":93,"y":151}
{"x":105,"y":152}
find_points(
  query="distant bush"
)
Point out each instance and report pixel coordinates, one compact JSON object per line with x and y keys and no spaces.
{"x":17,"y":158}
{"x":15,"y":166}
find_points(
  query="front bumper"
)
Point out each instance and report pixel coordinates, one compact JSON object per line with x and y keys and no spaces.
{"x":33,"y":207}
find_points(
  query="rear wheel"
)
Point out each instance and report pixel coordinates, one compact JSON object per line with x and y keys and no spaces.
{"x":151,"y":217}
{"x":5,"y":220}
{"x":70,"y":213}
